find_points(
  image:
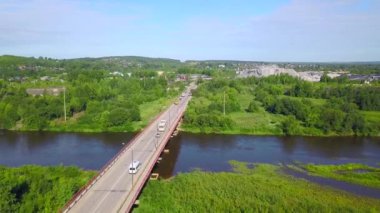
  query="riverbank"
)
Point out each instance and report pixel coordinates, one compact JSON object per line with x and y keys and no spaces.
{"x":266,"y":107}
{"x":251,"y":187}
{"x":34,"y":188}
{"x":265,"y":131}
{"x":351,"y":173}
{"x":148,"y":112}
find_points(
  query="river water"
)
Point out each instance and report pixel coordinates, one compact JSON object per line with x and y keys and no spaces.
{"x":212,"y":152}
{"x":186,"y":151}
{"x":194,"y":151}
{"x":88,"y":151}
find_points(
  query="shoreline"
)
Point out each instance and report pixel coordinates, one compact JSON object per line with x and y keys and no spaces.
{"x":237,"y":132}
{"x":188,"y":130}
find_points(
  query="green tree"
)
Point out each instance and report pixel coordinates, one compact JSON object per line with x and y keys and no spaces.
{"x":290,"y":126}
{"x":253,"y":106}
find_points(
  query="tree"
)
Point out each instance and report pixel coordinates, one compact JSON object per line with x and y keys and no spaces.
{"x":118,"y":117}
{"x":290,"y":126}
{"x":325,"y":78}
{"x":253,"y":106}
{"x":332,"y":119}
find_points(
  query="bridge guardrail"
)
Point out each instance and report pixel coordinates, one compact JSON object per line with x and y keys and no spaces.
{"x":167,"y":138}
{"x":101,"y":172}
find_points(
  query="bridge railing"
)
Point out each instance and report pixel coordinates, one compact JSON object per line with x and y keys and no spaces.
{"x":166,"y":139}
{"x":102,"y":171}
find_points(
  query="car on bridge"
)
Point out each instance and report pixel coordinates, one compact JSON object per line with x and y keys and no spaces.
{"x":161,"y":126}
{"x":134,"y":166}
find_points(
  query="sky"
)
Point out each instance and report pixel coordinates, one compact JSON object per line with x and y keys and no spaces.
{"x":271,"y":30}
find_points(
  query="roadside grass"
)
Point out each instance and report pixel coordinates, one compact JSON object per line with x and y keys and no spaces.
{"x":150,"y":110}
{"x":353,"y":173}
{"x":263,"y":188}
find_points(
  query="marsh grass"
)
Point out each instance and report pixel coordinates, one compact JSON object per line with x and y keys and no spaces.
{"x":262,"y":188}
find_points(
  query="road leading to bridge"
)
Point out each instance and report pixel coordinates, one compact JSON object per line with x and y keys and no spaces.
{"x":114,"y":189}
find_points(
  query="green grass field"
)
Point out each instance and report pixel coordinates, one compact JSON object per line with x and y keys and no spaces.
{"x":150,"y":110}
{"x":263,"y":188}
{"x":353,"y":173}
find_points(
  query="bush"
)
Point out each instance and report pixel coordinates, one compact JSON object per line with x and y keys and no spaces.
{"x":253,"y":106}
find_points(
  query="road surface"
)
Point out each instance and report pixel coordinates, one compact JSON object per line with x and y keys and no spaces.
{"x":115,"y":190}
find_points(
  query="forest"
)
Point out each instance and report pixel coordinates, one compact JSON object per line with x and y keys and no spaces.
{"x":94,"y":99}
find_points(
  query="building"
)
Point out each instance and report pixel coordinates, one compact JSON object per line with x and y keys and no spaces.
{"x":54,"y":91}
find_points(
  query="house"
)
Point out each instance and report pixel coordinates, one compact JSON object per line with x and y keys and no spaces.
{"x":45,"y":78}
{"x":55,"y":91}
{"x":117,"y":74}
{"x":35,"y":92}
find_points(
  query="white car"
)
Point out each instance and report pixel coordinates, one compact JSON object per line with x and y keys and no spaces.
{"x":161,"y":126}
{"x":134,"y":166}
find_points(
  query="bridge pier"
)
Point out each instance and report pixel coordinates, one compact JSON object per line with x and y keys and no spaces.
{"x":154,"y":176}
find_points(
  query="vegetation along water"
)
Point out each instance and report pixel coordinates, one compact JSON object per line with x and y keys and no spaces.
{"x":122,"y":94}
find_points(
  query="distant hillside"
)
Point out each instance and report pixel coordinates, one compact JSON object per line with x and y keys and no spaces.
{"x":11,"y":65}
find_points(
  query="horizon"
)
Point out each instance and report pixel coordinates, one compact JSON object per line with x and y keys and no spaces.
{"x":287,"y":31}
{"x":203,"y":60}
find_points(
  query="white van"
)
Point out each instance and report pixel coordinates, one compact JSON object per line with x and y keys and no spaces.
{"x":134,"y":166}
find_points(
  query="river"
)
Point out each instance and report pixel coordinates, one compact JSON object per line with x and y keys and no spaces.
{"x":186,"y":151}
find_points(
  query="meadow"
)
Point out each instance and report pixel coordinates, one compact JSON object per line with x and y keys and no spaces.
{"x":250,"y":188}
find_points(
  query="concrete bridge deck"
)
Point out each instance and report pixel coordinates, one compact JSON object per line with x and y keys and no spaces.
{"x":114,"y":189}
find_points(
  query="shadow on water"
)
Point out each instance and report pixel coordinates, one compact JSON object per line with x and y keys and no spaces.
{"x":341,"y":185}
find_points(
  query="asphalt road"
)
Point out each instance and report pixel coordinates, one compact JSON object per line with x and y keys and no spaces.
{"x":116,"y":190}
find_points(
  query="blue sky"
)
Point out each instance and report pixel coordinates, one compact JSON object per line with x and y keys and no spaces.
{"x":271,"y":30}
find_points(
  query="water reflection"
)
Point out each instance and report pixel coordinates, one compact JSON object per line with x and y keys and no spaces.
{"x":212,"y":152}
{"x":89,"y":151}
{"x":187,"y":151}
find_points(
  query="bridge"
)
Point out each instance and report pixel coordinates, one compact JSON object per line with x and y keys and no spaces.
{"x":114,"y":189}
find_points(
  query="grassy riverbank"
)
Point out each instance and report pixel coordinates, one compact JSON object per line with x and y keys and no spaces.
{"x":353,"y":173}
{"x":39,"y":189}
{"x":260,"y":189}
